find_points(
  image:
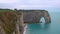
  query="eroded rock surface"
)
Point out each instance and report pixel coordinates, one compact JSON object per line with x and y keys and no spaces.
{"x":34,"y":16}
{"x":11,"y":22}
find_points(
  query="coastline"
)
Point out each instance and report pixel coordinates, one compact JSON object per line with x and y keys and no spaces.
{"x":25,"y":29}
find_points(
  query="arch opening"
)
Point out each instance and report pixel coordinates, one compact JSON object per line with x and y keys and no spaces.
{"x":42,"y":20}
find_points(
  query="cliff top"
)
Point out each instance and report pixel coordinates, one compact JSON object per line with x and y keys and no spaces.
{"x":10,"y":10}
{"x":6,"y":10}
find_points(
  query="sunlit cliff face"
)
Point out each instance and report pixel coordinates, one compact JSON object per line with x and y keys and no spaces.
{"x":8,"y":21}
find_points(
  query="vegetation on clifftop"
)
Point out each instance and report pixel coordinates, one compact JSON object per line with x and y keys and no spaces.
{"x":6,"y":10}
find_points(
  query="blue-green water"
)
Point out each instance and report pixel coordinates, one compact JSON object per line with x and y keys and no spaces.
{"x":52,"y":28}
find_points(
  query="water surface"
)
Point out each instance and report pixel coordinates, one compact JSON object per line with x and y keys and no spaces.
{"x":52,"y":28}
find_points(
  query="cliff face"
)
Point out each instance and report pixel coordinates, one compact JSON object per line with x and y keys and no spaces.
{"x":9,"y":22}
{"x":34,"y":16}
{"x":19,"y":17}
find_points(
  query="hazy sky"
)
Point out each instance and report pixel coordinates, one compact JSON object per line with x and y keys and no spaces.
{"x":29,"y":4}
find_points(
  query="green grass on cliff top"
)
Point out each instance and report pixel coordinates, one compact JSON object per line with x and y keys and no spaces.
{"x":6,"y":10}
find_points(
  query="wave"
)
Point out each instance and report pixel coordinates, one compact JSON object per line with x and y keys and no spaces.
{"x":25,"y":29}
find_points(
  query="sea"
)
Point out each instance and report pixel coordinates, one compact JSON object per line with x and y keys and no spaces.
{"x":43,"y":28}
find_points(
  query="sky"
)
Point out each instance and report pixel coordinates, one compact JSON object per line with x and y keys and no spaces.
{"x":30,"y":4}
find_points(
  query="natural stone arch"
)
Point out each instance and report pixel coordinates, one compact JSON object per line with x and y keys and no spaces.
{"x":34,"y":16}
